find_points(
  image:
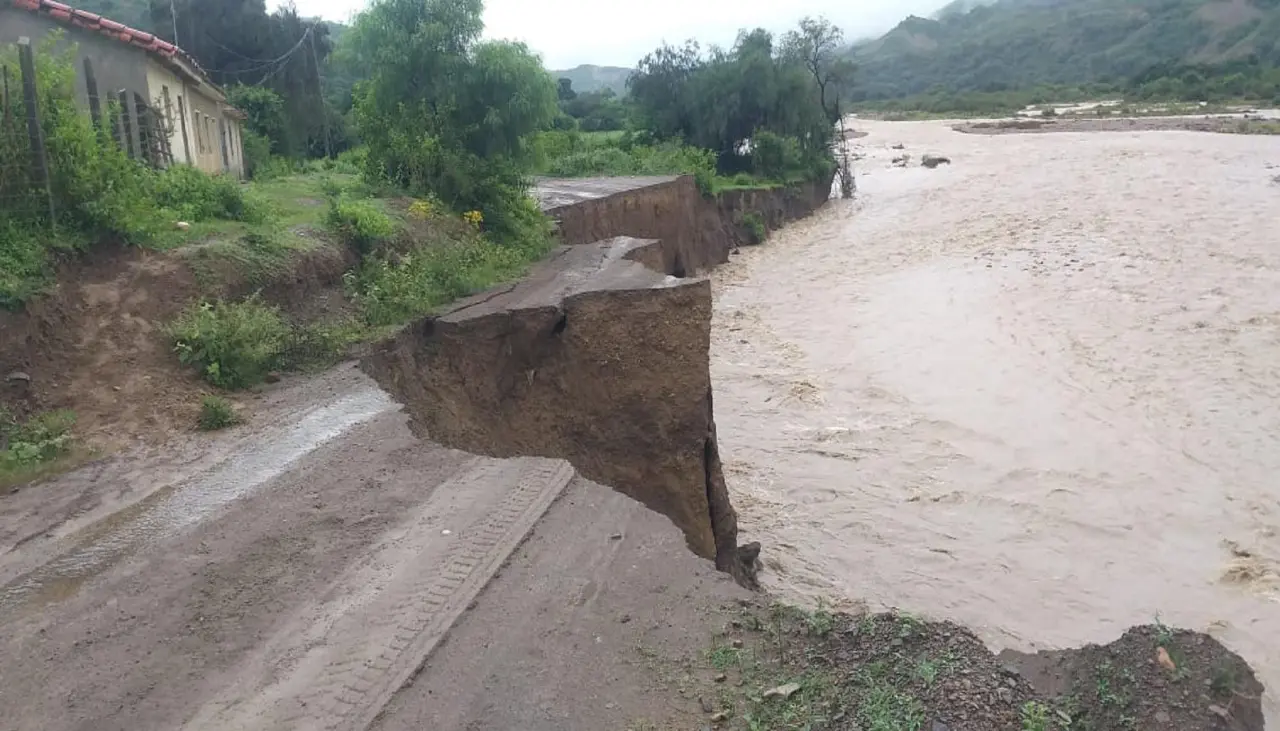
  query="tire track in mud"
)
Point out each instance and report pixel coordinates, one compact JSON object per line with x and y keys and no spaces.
{"x":338,"y":662}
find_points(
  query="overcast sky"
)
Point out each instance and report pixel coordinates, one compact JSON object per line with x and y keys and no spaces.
{"x":613,"y":33}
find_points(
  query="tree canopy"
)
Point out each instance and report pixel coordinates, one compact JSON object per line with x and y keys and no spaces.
{"x":721,"y":99}
{"x":447,"y":113}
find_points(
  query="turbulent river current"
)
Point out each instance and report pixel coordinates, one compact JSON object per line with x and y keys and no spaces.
{"x":1035,"y":391}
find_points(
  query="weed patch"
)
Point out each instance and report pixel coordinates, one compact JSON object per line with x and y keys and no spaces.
{"x":217,"y":413}
{"x":394,"y":290}
{"x":753,"y":223}
{"x":360,"y":224}
{"x":233,"y":344}
{"x":28,"y":446}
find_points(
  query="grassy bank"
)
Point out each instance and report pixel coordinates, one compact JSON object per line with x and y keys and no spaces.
{"x":567,"y":154}
{"x":779,"y":667}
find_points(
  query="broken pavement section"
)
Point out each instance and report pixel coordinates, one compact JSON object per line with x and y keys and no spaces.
{"x":598,"y":357}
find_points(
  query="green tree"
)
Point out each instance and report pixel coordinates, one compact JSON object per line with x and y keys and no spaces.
{"x":720,"y":101}
{"x":564,"y":90}
{"x":445,"y":113}
{"x":817,"y":45}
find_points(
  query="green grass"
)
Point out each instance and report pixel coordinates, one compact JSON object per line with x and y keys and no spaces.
{"x":217,"y":413}
{"x":1036,"y":716}
{"x":34,"y":447}
{"x":884,"y":707}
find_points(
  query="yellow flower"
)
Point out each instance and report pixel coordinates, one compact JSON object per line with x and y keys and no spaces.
{"x":475,"y":218}
{"x":421,"y":209}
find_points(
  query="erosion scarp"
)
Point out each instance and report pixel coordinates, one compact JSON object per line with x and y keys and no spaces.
{"x":598,"y":358}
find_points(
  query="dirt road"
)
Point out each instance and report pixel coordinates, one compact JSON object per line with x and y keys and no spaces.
{"x":294,"y":575}
{"x":1034,"y":391}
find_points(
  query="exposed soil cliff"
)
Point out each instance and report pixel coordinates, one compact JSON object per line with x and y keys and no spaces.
{"x":600,"y":356}
{"x":595,"y":358}
{"x":96,"y":345}
{"x":696,"y":232}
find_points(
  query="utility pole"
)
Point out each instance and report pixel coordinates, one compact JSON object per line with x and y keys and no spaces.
{"x":324,"y":112}
{"x":173,"y":16}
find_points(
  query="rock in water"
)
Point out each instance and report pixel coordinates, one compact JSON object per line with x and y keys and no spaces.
{"x":933,"y":161}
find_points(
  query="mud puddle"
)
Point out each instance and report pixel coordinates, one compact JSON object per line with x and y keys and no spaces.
{"x":165,"y":512}
{"x":1035,"y":392}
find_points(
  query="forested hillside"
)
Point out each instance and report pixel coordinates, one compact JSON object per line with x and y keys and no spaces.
{"x":1023,"y":43}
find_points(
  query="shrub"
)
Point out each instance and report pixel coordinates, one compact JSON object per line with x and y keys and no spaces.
{"x":393,"y":291}
{"x":706,"y":182}
{"x":754,"y":224}
{"x":361,"y":224}
{"x":257,"y":154}
{"x":42,"y":438}
{"x":233,"y":344}
{"x":217,"y":413}
{"x":196,"y":196}
{"x":773,"y":156}
{"x":351,"y":162}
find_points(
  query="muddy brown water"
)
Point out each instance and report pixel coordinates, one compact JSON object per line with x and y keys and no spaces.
{"x":1036,"y":391}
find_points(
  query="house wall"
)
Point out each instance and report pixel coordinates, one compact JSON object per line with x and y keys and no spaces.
{"x":197,"y":108}
{"x":116,"y":65}
{"x":167,"y":92}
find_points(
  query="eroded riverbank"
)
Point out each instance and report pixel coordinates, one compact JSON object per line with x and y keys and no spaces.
{"x":1034,"y":391}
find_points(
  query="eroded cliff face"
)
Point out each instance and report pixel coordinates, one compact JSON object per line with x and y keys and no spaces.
{"x":596,"y":358}
{"x":601,"y":356}
{"x":697,"y":233}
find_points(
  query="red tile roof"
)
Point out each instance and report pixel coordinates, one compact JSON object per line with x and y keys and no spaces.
{"x":148,"y":42}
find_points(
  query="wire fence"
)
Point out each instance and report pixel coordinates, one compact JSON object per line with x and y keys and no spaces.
{"x":28,"y":172}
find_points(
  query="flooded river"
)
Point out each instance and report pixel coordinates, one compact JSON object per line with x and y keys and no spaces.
{"x":1036,"y":391}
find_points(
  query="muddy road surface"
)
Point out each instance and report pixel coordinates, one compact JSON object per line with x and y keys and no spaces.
{"x":297,"y":572}
{"x":1036,"y":391}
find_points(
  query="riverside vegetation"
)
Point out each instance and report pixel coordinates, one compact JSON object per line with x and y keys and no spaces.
{"x":433,"y":204}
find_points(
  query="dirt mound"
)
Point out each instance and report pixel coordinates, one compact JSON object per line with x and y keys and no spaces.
{"x":595,"y":358}
{"x":781,"y":667}
{"x":95,"y":344}
{"x":1152,"y":677}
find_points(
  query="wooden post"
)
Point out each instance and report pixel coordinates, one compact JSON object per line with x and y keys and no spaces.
{"x":95,"y":103}
{"x":126,"y":122}
{"x":222,"y":133}
{"x":146,"y":130}
{"x":39,"y":165}
{"x":182,"y":121}
{"x":324,"y":111}
{"x":8,"y":120}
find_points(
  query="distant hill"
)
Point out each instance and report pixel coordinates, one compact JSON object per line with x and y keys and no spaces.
{"x":979,"y":46}
{"x":588,"y":78}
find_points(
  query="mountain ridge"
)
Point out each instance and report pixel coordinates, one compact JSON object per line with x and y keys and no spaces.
{"x":590,"y":77}
{"x":1006,"y":44}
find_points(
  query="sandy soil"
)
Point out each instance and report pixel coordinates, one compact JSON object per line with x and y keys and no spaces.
{"x":1034,"y":391}
{"x":1231,"y":124}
